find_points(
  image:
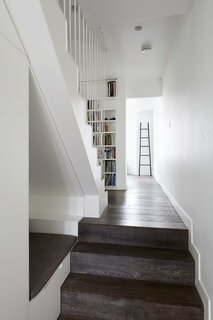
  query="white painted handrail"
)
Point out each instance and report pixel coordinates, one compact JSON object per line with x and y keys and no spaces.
{"x":87,"y":49}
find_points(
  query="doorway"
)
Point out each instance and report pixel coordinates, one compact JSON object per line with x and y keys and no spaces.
{"x":140,"y":110}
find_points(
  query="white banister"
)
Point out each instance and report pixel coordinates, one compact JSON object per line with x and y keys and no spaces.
{"x":75,"y":28}
{"x":87,"y":49}
{"x":70,"y":26}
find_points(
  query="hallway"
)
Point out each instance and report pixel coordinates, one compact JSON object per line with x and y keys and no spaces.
{"x":144,"y":204}
{"x":133,"y":262}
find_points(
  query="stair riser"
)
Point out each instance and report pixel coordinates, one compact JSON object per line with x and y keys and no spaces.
{"x":108,"y":308}
{"x":178,"y":272}
{"x":133,"y":236}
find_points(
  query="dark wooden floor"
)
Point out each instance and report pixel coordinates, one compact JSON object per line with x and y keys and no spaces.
{"x":133,"y":262}
{"x":144,"y":204}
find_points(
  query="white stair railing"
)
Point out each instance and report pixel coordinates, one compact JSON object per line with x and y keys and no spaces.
{"x":87,"y":49}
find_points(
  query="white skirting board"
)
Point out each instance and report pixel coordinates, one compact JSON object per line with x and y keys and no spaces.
{"x":54,"y":223}
{"x":47,"y":304}
{"x":195,"y":253}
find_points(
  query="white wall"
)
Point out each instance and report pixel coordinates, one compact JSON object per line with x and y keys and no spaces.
{"x":51,"y":172}
{"x":186,"y":132}
{"x":14,"y":188}
{"x":138,"y":88}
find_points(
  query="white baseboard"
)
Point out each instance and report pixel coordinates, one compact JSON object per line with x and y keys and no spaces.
{"x":121,"y":187}
{"x":194,"y":251}
{"x":54,"y":223}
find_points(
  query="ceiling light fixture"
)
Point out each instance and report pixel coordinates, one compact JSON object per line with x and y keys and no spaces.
{"x":146,"y":49}
{"x":138,"y":28}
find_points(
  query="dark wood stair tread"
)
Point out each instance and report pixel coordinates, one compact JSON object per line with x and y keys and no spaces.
{"x":151,"y":292}
{"x":133,"y":223}
{"x":67,"y":317}
{"x":132,"y":262}
{"x":133,"y":251}
{"x":47,"y":251}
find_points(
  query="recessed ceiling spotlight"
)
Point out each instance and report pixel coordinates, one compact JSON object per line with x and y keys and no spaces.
{"x":146,"y":49}
{"x":138,"y":28}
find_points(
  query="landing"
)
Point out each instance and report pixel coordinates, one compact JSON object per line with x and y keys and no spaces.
{"x":144,"y":204}
{"x":47,"y":251}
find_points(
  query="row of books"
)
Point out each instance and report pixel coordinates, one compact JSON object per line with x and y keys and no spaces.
{"x":110,"y":180}
{"x":110,"y":166}
{"x":92,"y":104}
{"x":111,"y":88}
{"x":109,"y":139}
{"x":107,"y":153}
{"x":98,"y":127}
{"x":97,"y":140}
{"x":103,"y":127}
{"x":110,"y":153}
{"x":93,"y":116}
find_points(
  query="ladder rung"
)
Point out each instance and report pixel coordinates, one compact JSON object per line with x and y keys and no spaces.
{"x":144,"y":155}
{"x":144,"y":146}
{"x":144,"y":128}
{"x":144,"y":137}
{"x":144,"y":165}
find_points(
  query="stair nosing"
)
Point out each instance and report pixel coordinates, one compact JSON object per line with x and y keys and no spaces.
{"x":184,"y":229}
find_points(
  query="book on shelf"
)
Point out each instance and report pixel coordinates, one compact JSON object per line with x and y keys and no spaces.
{"x":111,"y":88}
{"x":109,"y":139}
{"x":97,"y":127}
{"x":110,"y":153}
{"x":110,"y":180}
{"x":96,"y":140}
{"x":106,"y":127}
{"x":92,"y":104}
{"x":110,"y":166}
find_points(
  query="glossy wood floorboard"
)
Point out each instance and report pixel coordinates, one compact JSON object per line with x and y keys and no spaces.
{"x":144,"y":204}
{"x":133,"y":262}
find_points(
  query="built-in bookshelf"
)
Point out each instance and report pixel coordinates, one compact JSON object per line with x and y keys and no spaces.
{"x":101,"y":115}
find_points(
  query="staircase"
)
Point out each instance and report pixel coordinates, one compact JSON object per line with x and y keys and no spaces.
{"x":125,"y":269}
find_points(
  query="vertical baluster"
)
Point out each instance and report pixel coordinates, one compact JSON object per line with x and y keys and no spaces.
{"x":79,"y":49}
{"x":64,"y":8}
{"x":96,"y":79}
{"x":99,"y":86}
{"x":70,"y":26}
{"x":86,"y":61}
{"x":83,"y":54}
{"x":75,"y":28}
{"x":66,"y":26}
{"x":92,"y":67}
{"x":89,"y":64}
{"x":93,"y":70}
{"x":97,"y":82}
{"x":104,"y":61}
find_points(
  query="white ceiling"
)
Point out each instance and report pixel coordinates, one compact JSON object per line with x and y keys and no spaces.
{"x":160,"y":20}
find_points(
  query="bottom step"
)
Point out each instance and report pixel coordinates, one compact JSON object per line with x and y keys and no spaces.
{"x":65,"y":317}
{"x":123,"y":299}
